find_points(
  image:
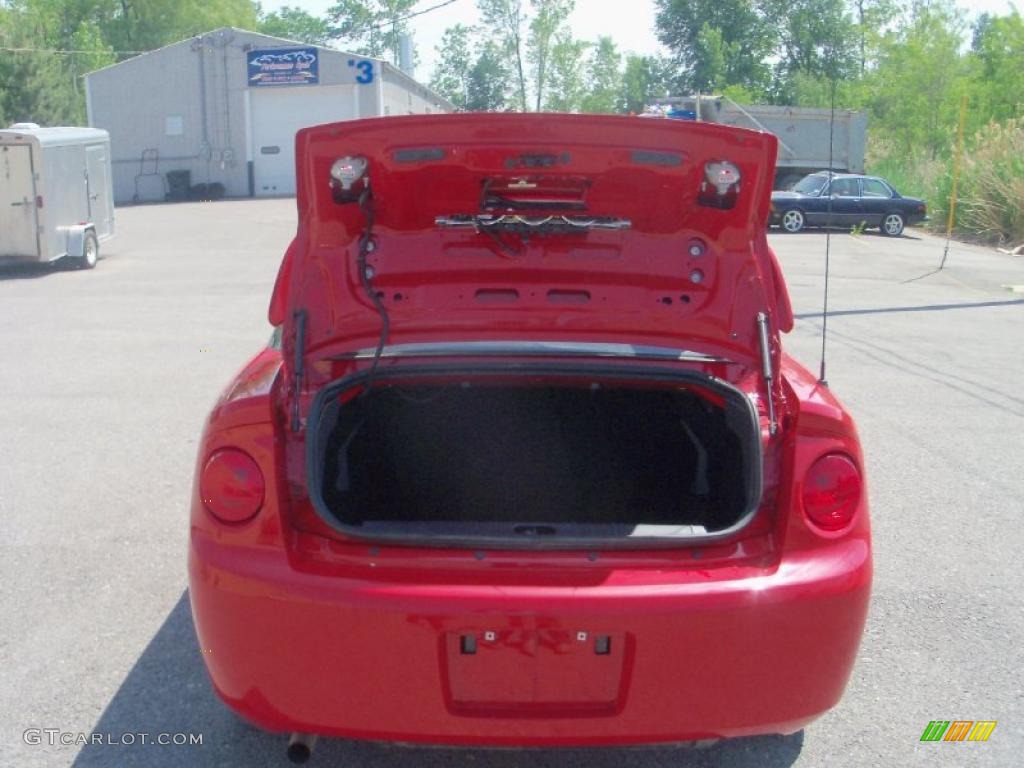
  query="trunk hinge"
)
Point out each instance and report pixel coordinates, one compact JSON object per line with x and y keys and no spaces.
{"x":766,"y":369}
{"x":300,"y":357}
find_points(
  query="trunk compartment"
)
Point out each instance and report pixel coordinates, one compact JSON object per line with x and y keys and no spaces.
{"x":541,"y":461}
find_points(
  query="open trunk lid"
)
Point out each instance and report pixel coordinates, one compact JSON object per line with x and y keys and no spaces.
{"x":532,"y":228}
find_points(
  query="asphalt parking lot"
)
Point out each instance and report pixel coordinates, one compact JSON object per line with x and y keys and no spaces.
{"x":107,"y":377}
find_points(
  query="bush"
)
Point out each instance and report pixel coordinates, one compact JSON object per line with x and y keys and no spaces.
{"x":992,"y":184}
{"x":990,"y":193}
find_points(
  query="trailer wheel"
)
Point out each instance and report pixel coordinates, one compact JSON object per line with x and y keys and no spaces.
{"x":90,"y":251}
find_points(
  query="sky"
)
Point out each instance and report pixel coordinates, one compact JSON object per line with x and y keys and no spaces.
{"x":630,"y":24}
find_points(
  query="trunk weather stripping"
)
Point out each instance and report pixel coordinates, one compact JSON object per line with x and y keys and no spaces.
{"x":533,"y":349}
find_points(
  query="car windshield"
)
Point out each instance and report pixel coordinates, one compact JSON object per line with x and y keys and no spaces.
{"x":810,"y":185}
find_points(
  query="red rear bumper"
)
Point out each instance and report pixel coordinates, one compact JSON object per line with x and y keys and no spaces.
{"x":293,"y":651}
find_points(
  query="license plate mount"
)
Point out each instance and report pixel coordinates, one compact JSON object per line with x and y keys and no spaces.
{"x":549,"y":672}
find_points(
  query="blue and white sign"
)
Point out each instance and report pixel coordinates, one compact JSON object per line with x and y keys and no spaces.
{"x":284,"y":66}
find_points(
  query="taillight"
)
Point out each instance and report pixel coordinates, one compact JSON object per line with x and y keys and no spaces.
{"x":231,"y":485}
{"x":348,"y":179}
{"x":720,"y":186}
{"x":831,"y":493}
{"x":348,"y":170}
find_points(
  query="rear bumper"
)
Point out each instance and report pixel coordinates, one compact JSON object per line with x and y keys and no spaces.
{"x":372,"y":659}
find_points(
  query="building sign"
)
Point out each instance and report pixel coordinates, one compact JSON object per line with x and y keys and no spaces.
{"x":284,"y":66}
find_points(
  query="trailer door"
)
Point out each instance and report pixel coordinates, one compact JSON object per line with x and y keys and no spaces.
{"x":96,"y":184}
{"x":19,"y":222}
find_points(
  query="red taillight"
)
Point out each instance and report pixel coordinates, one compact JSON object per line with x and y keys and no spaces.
{"x":231,"y":485}
{"x":832,"y":491}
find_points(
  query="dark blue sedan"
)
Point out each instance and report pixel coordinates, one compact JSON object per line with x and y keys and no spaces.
{"x":845,"y":200}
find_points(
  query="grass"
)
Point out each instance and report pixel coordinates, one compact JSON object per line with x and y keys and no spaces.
{"x":990,"y":204}
{"x":993,"y":184}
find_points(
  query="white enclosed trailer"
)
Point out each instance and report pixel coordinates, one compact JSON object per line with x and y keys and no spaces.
{"x":56,"y":194}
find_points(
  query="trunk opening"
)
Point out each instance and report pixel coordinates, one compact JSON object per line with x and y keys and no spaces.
{"x":540,"y":462}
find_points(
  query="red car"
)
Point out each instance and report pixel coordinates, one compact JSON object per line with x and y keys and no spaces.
{"x":526,"y":463}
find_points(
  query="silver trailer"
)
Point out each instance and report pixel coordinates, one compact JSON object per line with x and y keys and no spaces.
{"x":803,"y":132}
{"x":56,"y":195}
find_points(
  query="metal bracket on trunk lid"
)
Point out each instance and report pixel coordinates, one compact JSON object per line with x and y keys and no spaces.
{"x":556,"y":224}
{"x":300,"y":352}
{"x":766,"y":369}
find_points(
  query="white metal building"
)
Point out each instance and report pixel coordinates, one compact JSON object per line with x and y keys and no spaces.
{"x":225,"y":106}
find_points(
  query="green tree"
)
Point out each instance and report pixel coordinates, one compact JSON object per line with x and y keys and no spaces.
{"x":603,"y":78}
{"x":871,"y":18}
{"x":293,"y":23}
{"x":371,"y":27}
{"x":505,"y":19}
{"x":998,"y":76}
{"x":816,"y":39}
{"x":920,"y":76}
{"x":42,"y":84}
{"x":94,"y":53}
{"x":455,"y":62}
{"x":566,"y":85}
{"x":805,"y":90}
{"x":710,"y":67}
{"x":141,"y":25}
{"x":490,"y":80}
{"x":549,"y":17}
{"x":744,"y":37}
{"x":68,"y":38}
{"x":644,"y":78}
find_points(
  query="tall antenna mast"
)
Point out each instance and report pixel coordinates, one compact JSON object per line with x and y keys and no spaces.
{"x":828,"y":235}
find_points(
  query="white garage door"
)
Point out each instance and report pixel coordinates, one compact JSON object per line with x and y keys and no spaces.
{"x":277,"y":113}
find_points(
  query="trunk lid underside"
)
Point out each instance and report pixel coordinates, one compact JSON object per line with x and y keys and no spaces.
{"x":466,"y":219}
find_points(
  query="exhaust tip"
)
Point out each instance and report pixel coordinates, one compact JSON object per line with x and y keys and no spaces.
{"x":300,"y":747}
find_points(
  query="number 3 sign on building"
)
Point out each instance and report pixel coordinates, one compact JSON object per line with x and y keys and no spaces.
{"x":364,"y":67}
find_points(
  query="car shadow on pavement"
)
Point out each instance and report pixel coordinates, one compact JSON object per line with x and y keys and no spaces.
{"x":28,"y":271}
{"x":906,"y":235}
{"x":167,"y":692}
{"x":844,"y":231}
